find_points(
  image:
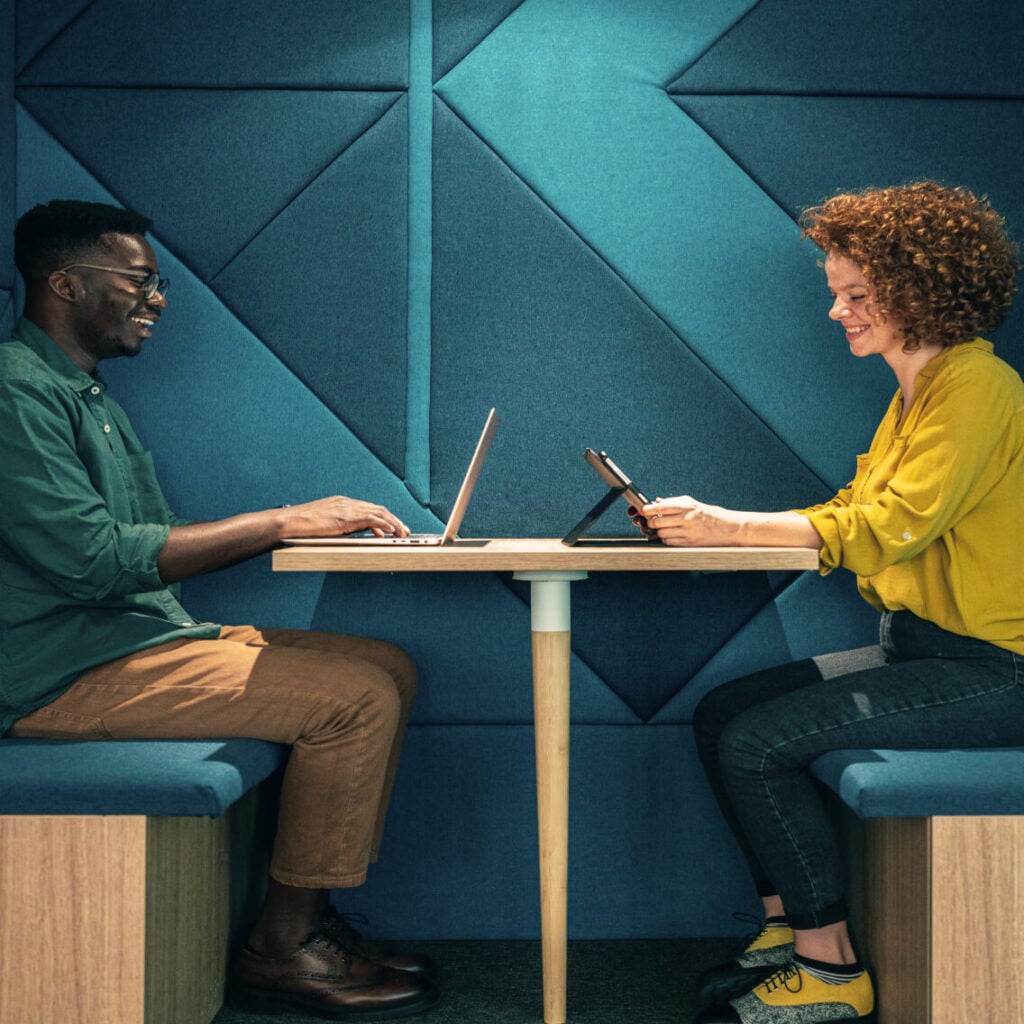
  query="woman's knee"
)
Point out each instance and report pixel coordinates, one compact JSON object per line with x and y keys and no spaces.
{"x":744,"y":750}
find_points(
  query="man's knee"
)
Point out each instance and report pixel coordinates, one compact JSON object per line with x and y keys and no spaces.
{"x":403,"y":670}
{"x":367,"y":701}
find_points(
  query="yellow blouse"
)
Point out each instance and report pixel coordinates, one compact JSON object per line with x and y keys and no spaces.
{"x":933,"y":521}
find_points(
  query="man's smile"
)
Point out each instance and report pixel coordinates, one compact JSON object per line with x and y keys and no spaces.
{"x":145,"y":324}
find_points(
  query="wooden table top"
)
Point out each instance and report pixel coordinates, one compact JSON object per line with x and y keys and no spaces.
{"x":520,"y":553}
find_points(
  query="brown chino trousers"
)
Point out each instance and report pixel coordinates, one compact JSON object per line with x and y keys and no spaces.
{"x":341,"y":702}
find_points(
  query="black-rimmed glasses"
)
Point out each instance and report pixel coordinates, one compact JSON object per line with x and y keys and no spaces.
{"x":150,"y":284}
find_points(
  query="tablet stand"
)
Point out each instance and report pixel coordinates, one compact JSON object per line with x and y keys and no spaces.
{"x":592,"y":516}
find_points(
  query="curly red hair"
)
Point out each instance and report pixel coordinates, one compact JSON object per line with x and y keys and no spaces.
{"x":938,"y":258}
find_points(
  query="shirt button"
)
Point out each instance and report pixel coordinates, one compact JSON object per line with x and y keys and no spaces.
{"x":186,"y":623}
{"x":94,"y":391}
{"x":106,"y":428}
{"x":907,"y":535}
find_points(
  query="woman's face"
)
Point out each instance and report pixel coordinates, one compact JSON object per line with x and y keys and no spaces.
{"x":855,"y":306}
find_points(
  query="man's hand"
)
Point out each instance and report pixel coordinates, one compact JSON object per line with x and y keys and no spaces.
{"x":202,"y":547}
{"x":333,"y":517}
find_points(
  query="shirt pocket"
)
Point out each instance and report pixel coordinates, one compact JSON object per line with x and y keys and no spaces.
{"x":875,"y":470}
{"x":147,"y":500}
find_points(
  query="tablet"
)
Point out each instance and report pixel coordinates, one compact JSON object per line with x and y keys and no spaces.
{"x":614,"y":477}
{"x":618,"y":483}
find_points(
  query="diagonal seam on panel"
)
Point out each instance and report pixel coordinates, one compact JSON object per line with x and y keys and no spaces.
{"x":714,"y":42}
{"x":680,"y":97}
{"x":639,"y":298}
{"x":56,"y":35}
{"x":748,"y":171}
{"x":304,"y":187}
{"x":775,"y":595}
{"x":860,"y":94}
{"x":640,"y":720}
{"x":506,"y":581}
{"x":479,"y":42}
{"x":170,"y":249}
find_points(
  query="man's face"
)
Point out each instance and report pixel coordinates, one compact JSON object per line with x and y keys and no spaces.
{"x":113,"y":316}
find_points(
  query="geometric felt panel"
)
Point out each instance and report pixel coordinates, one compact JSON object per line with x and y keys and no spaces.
{"x":460,"y":25}
{"x":227,"y":44}
{"x":942,"y":48}
{"x":7,"y":165}
{"x":324,"y":286}
{"x":211,"y":167}
{"x":511,"y":279}
{"x":574,"y":108}
{"x":38,"y":25}
{"x":910,"y":138}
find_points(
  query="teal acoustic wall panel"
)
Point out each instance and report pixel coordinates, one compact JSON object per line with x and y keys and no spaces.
{"x":8,"y":148}
{"x":382,"y":217}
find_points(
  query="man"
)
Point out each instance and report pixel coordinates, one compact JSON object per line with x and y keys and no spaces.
{"x":94,"y":643}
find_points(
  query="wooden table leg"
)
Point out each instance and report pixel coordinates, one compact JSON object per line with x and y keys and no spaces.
{"x":550,"y":627}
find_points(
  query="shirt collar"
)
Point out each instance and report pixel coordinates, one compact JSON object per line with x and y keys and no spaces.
{"x":933,"y":365}
{"x":39,"y":342}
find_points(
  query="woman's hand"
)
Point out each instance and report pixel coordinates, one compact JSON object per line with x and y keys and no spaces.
{"x":685,"y":522}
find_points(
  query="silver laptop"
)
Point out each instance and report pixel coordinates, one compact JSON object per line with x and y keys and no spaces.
{"x":451,"y":529}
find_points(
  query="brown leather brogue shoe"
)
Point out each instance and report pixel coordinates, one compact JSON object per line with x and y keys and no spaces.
{"x":339,"y":927}
{"x":324,"y":979}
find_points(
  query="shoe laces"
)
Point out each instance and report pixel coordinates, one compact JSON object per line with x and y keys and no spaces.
{"x":330,"y":944}
{"x":782,"y":978}
{"x":339,"y":927}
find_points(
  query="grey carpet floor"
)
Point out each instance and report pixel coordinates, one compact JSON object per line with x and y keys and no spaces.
{"x":609,"y":982}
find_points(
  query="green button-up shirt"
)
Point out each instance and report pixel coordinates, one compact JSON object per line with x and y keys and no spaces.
{"x":82,"y":519}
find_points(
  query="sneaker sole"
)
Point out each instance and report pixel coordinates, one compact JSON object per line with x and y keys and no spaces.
{"x":719,"y":990}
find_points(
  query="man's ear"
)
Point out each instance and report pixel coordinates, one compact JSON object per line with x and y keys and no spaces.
{"x":61,"y":284}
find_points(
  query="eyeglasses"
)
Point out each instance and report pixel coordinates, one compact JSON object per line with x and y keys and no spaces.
{"x":150,"y":284}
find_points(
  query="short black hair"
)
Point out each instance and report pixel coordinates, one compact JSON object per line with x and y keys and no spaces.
{"x":54,"y":234}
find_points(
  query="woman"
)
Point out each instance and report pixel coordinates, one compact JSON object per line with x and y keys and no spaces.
{"x":931,"y":526}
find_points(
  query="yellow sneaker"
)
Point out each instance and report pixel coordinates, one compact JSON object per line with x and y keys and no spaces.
{"x":773,"y":945}
{"x":793,"y":996}
{"x":770,"y":949}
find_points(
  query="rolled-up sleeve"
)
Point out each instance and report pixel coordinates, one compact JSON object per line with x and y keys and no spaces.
{"x":912,"y":489}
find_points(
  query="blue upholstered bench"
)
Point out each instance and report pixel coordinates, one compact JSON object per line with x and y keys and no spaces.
{"x":936,"y":854}
{"x":115,"y":876}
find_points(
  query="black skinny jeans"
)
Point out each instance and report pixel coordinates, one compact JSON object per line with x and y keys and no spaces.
{"x":922,"y":688}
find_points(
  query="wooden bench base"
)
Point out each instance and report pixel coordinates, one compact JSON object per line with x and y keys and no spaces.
{"x":119,"y":919}
{"x":938,"y":904}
